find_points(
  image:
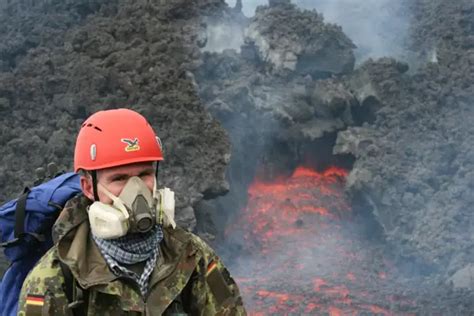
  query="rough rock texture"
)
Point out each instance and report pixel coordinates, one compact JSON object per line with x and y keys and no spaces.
{"x":63,"y":60}
{"x":443,"y":31}
{"x":415,"y":162}
{"x":410,"y":132}
{"x":274,"y":123}
{"x":291,"y":39}
{"x":241,"y":84}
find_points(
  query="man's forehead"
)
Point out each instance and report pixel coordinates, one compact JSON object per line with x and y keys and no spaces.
{"x":127,"y":169}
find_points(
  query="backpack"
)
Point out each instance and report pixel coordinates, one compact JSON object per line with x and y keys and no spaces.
{"x":26,"y":226}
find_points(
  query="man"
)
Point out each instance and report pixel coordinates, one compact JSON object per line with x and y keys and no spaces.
{"x":119,"y":241}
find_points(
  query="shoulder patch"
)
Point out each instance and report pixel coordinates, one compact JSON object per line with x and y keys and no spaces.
{"x":217,"y":283}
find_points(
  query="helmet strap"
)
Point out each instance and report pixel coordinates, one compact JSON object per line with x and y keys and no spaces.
{"x":94,"y":185}
{"x":156,"y":171}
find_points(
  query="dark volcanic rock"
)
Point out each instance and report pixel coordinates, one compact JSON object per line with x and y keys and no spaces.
{"x":63,"y":60}
{"x":298,"y":40}
{"x":277,"y":122}
{"x":415,"y":162}
{"x":410,"y":132}
{"x":443,"y":31}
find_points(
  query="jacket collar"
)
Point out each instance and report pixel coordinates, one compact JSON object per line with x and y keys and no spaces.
{"x":76,"y":248}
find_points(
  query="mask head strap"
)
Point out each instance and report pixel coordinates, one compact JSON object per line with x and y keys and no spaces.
{"x":117,"y":202}
{"x":155,"y":183}
{"x":155,"y":195}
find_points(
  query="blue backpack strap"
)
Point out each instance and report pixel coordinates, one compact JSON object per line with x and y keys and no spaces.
{"x":20,"y":214}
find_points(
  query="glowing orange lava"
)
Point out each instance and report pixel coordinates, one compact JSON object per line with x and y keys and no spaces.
{"x":287,"y":206}
{"x":303,"y":259}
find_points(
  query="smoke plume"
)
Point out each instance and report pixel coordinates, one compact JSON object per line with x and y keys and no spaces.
{"x":379,"y":28}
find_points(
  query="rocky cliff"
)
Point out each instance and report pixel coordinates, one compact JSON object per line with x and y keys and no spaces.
{"x":406,"y":134}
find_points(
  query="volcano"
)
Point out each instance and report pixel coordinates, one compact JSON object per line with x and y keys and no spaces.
{"x":286,"y":87}
{"x":392,"y":237}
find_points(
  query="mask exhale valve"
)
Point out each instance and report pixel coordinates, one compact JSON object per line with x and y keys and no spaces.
{"x":143,"y":219}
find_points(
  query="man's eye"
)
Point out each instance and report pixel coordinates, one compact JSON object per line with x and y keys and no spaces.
{"x":145,"y":174}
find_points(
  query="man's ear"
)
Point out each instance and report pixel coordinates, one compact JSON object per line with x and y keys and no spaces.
{"x":87,"y":188}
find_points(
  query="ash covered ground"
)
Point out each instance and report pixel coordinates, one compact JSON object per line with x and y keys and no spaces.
{"x":240,"y":99}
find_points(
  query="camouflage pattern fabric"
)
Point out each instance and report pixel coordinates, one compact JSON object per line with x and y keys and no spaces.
{"x":189,"y":279}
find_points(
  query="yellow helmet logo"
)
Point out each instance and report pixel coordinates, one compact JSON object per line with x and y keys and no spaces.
{"x":132,"y":145}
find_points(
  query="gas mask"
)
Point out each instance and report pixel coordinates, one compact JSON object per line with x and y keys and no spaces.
{"x":135,"y":210}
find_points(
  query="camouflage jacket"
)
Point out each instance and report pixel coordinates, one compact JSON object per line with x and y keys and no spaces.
{"x":188,"y":278}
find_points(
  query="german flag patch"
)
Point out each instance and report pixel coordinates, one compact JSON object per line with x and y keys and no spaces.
{"x":210,"y":267}
{"x":34,"y":304}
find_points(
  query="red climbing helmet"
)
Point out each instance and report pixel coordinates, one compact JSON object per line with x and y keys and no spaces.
{"x":115,"y":137}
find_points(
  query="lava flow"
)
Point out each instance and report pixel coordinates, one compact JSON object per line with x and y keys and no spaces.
{"x":306,"y":253}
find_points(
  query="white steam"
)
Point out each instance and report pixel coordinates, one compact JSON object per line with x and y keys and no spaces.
{"x":221,"y":36}
{"x":379,"y":28}
{"x":249,"y":6}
